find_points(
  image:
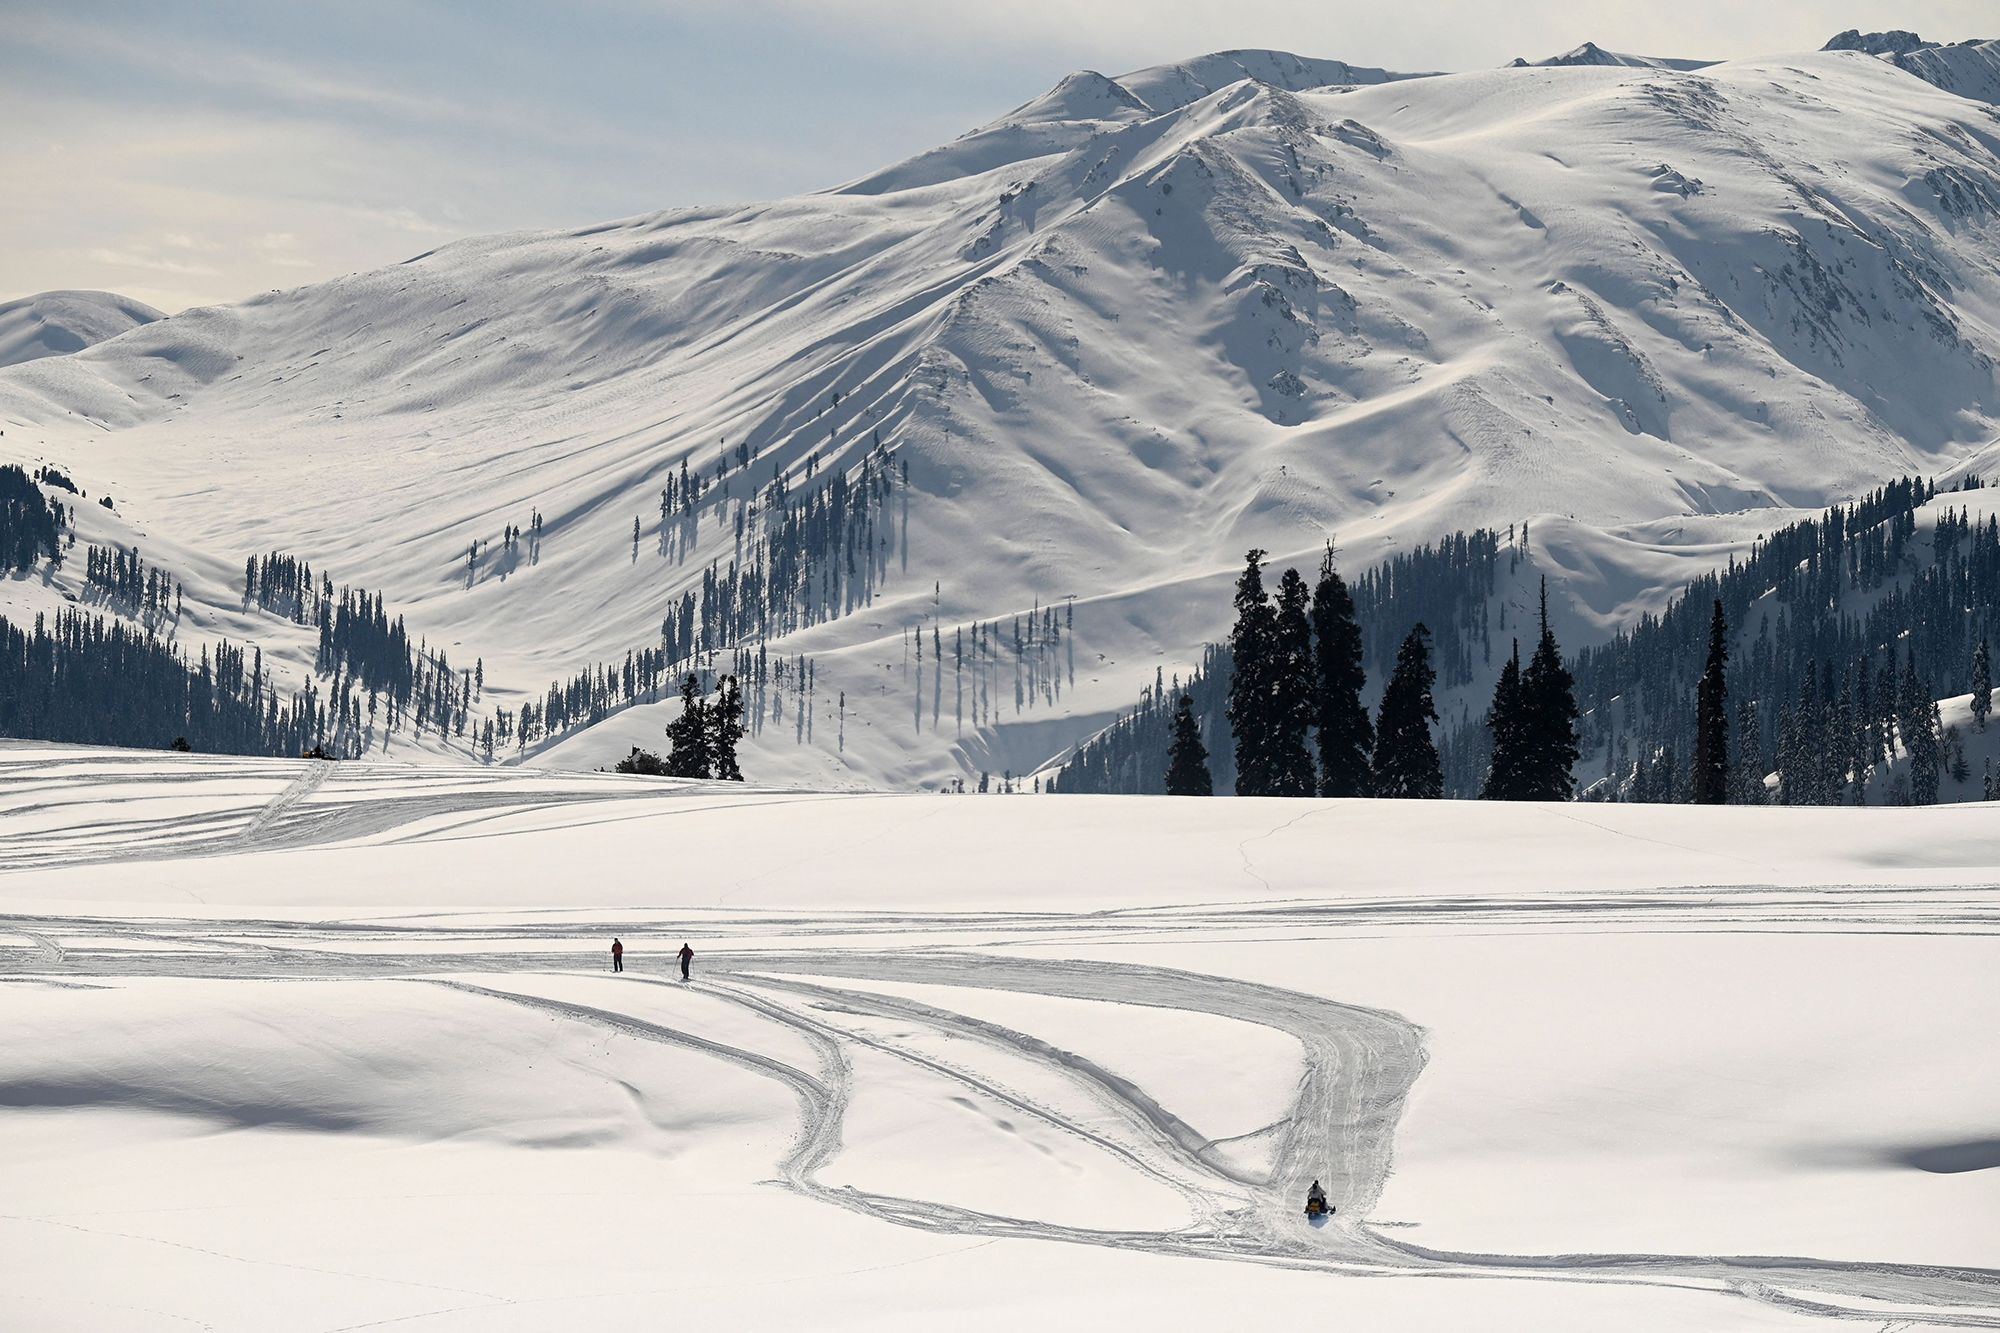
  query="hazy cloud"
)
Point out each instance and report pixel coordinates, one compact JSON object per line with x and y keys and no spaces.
{"x":208,"y":150}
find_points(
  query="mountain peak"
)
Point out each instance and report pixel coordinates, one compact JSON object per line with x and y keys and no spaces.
{"x":1892,"y":43}
{"x":1970,"y":69}
{"x":1165,"y":88}
{"x":1590,"y":53}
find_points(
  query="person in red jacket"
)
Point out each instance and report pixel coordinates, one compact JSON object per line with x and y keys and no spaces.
{"x":617,"y":955}
{"x":687,"y":956}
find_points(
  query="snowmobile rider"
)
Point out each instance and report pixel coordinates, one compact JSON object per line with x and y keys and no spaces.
{"x":1315,"y":1195}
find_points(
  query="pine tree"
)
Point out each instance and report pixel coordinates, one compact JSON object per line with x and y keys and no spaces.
{"x":1919,"y":730}
{"x":688,"y":734}
{"x":1345,"y":735}
{"x":1711,"y":718}
{"x":1253,"y":648}
{"x":1505,"y":719}
{"x":1666,"y":777}
{"x":1187,"y":761}
{"x":1982,"y":685}
{"x":1749,"y":769}
{"x":725,"y":728}
{"x":1406,"y":757}
{"x":1292,"y":693}
{"x":1548,"y":706}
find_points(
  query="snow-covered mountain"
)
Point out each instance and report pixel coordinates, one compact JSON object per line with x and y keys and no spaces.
{"x":1590,"y":53}
{"x":57,"y":323}
{"x":1970,"y":69}
{"x":1111,"y":339}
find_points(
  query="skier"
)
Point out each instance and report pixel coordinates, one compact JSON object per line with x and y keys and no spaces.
{"x":617,"y":955}
{"x":687,"y":956}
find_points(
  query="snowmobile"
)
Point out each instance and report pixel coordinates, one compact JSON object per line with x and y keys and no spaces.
{"x":1316,"y":1204}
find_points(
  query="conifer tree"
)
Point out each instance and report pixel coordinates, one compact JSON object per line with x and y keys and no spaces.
{"x":1345,"y":735}
{"x":1505,"y":719}
{"x":1711,"y":717}
{"x":1749,"y":768}
{"x":688,"y":733}
{"x":1548,"y":705}
{"x":1292,"y":693}
{"x":1982,"y":685}
{"x":1187,"y":760}
{"x":1406,"y":757}
{"x":725,"y":728}
{"x":1921,"y":742}
{"x":1253,"y":648}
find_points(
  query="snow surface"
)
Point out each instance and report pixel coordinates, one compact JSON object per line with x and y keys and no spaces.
{"x":307,"y":1046}
{"x":1118,"y":336}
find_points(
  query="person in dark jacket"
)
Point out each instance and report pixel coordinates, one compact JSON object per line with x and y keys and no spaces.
{"x":687,"y":956}
{"x":617,"y":955}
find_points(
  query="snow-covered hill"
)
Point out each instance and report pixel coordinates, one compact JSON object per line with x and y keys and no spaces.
{"x":1112,"y":339}
{"x":57,"y":323}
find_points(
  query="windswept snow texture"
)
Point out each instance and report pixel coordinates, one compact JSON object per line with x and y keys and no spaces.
{"x":1117,"y":337}
{"x":58,"y":323}
{"x":305,"y":1046}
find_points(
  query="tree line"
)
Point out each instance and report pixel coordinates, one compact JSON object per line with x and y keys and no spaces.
{"x":1799,"y":673}
{"x":1298,"y":726}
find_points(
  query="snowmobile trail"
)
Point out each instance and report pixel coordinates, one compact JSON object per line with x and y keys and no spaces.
{"x":1360,"y":1065}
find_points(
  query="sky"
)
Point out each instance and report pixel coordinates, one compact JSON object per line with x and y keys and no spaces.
{"x":205,"y":151}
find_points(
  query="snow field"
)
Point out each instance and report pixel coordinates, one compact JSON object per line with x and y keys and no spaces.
{"x":951,"y":1060}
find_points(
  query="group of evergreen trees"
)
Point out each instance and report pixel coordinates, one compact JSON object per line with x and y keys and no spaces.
{"x":95,"y":680}
{"x":1843,"y":630}
{"x":1797,"y":674}
{"x":283,"y":585}
{"x":1296,"y":720}
{"x":121,"y":575}
{"x":799,"y":558}
{"x":702,"y":740}
{"x":1447,"y":584}
{"x":30,"y":524}
{"x":1533,"y":725}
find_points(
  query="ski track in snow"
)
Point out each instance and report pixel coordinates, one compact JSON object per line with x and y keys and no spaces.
{"x":1359,"y":1065}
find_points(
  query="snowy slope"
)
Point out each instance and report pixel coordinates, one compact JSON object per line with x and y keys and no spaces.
{"x":57,"y":323}
{"x":309,"y":1046}
{"x":1116,"y":338}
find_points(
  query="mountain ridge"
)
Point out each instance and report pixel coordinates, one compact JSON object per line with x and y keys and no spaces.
{"x":56,"y":323}
{"x":1111,"y":349}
